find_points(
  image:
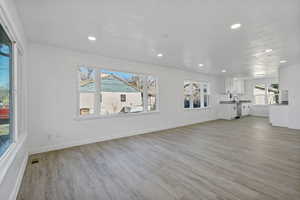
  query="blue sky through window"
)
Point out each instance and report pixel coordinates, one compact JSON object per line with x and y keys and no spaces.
{"x":4,"y":49}
{"x":4,"y":72}
{"x":123,"y":75}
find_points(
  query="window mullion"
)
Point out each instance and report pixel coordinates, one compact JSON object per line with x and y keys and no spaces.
{"x":266,"y":94}
{"x":78,"y":93}
{"x":201,"y":95}
{"x":208,"y":95}
{"x":98,"y":93}
{"x":145,"y":93}
{"x":157,"y":94}
{"x":14,"y":93}
{"x":192,"y":98}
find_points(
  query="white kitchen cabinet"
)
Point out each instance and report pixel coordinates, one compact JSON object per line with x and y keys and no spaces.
{"x":227,"y":111}
{"x":228,"y":85}
{"x":239,"y":86}
{"x":246,"y":109}
{"x":235,"y":86}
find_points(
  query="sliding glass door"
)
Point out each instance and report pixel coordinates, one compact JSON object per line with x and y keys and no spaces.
{"x":5,"y":91}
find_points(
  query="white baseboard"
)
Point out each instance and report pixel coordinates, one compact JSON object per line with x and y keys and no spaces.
{"x":13,"y":195}
{"x":43,"y":149}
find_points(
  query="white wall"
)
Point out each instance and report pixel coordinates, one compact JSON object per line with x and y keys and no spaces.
{"x":52,"y":98}
{"x":289,"y":80}
{"x":284,"y":78}
{"x":257,"y":110}
{"x":13,"y":163}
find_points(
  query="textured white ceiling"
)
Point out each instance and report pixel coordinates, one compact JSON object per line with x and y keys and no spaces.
{"x":186,"y":32}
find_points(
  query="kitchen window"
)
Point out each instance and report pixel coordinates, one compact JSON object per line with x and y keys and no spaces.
{"x":196,"y":95}
{"x":106,"y":92}
{"x":265,"y":94}
{"x":273,"y":94}
{"x":259,"y":93}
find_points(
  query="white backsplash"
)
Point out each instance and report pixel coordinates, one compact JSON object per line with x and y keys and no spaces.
{"x":225,"y":97}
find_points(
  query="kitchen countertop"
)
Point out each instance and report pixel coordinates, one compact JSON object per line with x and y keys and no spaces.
{"x":234,"y":102}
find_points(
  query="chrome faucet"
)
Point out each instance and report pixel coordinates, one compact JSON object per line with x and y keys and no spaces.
{"x":236,"y":98}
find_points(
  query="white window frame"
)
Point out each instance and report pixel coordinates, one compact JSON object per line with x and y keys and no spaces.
{"x":14,"y":83}
{"x":97,"y":106}
{"x":17,"y":51}
{"x":201,"y":95}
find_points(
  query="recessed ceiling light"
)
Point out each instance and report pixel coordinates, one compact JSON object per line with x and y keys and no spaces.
{"x":268,"y":50}
{"x":283,"y":61}
{"x":92,"y":38}
{"x":200,"y":65}
{"x":235,"y":26}
{"x":224,"y":70}
{"x":263,"y":53}
{"x":160,"y":55}
{"x":260,"y":74}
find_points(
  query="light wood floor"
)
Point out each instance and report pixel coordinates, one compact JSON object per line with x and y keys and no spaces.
{"x":241,"y":159}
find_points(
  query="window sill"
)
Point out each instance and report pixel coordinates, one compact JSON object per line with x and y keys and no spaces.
{"x":189,"y":109}
{"x":91,"y":117}
{"x":9,"y":156}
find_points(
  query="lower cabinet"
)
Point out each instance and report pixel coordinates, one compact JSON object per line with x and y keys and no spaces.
{"x":227,"y":111}
{"x":246,"y":109}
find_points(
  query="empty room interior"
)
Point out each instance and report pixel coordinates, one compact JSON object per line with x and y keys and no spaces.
{"x":149,"y":100}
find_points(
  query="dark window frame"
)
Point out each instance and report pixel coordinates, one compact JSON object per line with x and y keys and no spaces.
{"x":123,"y":97}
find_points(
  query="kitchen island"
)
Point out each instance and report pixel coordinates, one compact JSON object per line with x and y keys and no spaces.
{"x":233,"y":109}
{"x":279,"y":115}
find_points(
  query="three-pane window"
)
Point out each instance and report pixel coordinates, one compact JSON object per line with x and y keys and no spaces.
{"x":196,"y":94}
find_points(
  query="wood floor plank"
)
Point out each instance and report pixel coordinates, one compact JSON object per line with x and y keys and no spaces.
{"x":235,"y":160}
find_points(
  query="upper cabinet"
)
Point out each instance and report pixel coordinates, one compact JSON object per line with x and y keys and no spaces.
{"x":235,"y":85}
{"x":238,"y":86}
{"x":228,"y":85}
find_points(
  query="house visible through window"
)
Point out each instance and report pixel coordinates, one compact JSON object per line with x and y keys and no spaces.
{"x":196,"y":94}
{"x":114,"y":84}
{"x":6,"y":107}
{"x":105,"y":92}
